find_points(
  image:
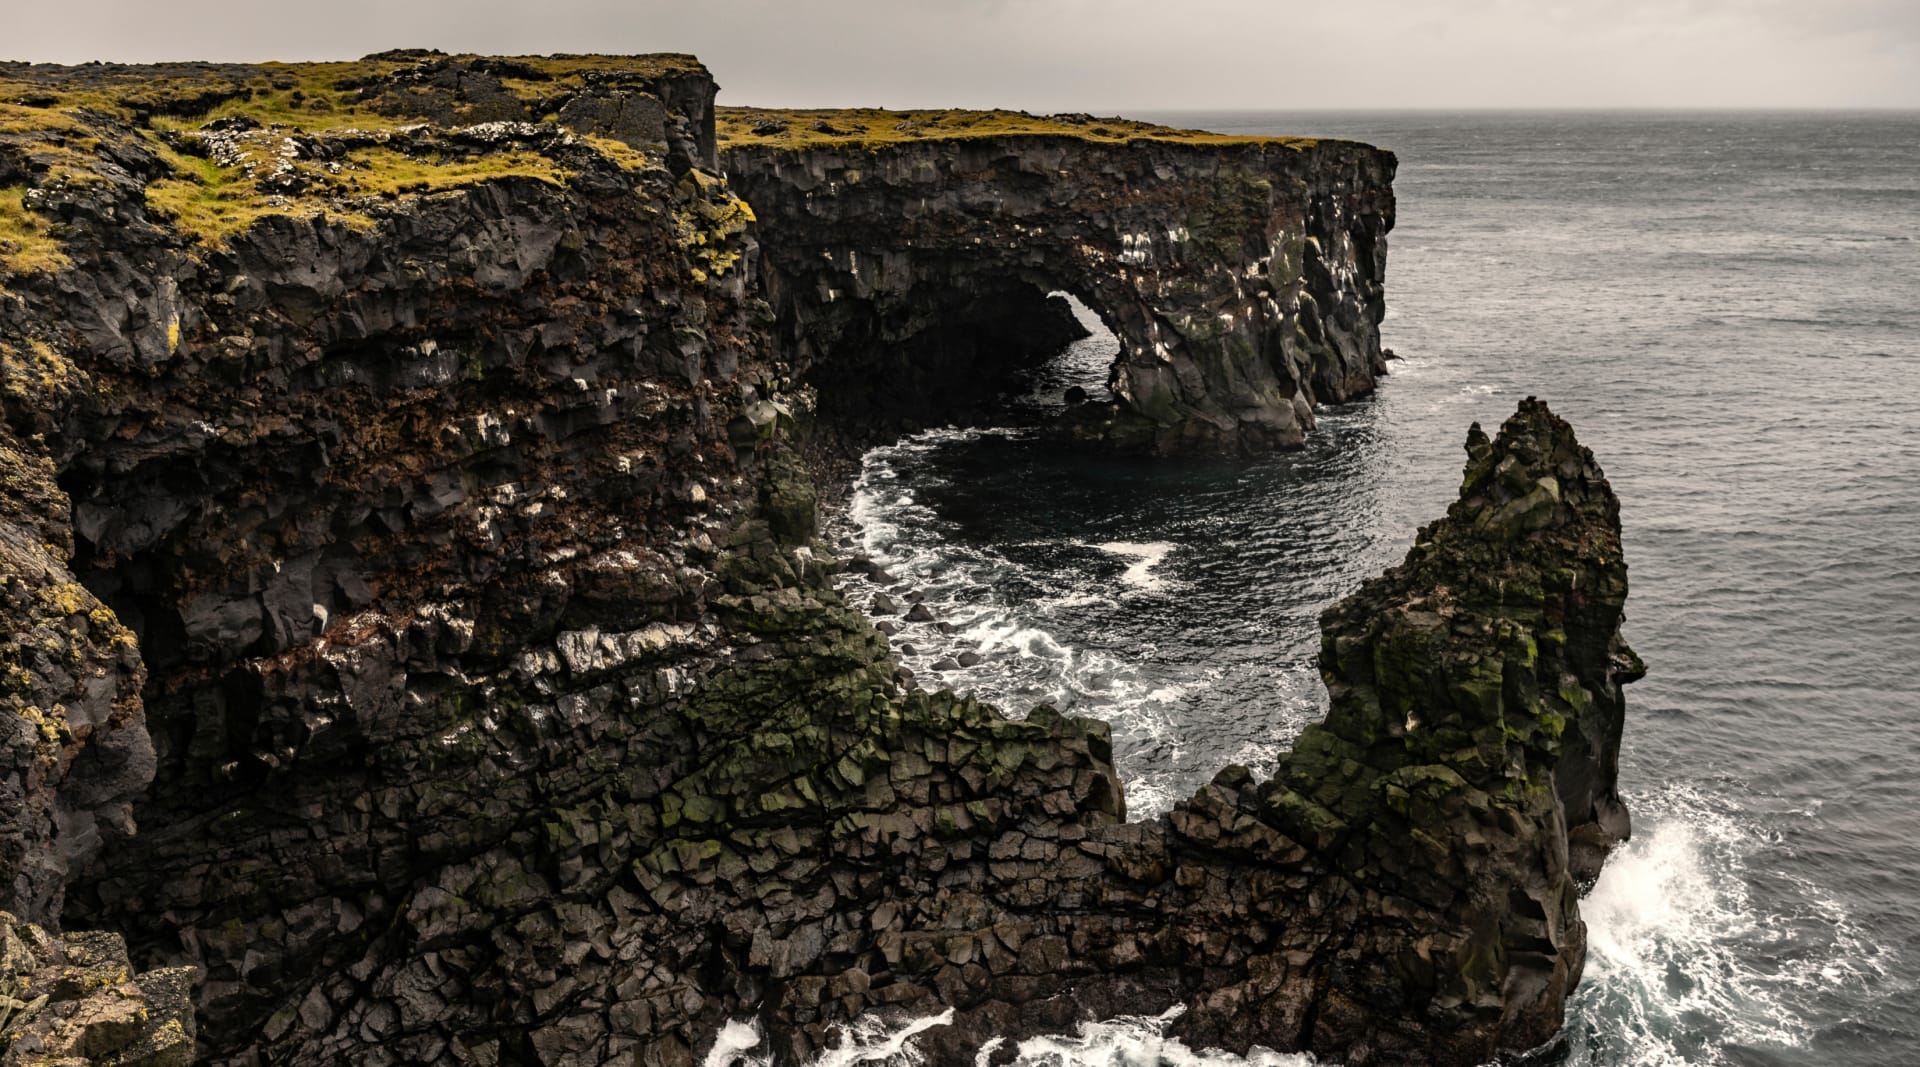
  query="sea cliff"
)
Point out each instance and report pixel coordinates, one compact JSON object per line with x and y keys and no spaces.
{"x":908,"y":255}
{"x":418,"y":642}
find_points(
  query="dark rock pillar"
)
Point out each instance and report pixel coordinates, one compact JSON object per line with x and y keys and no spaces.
{"x":74,"y":750}
{"x":1403,"y":890}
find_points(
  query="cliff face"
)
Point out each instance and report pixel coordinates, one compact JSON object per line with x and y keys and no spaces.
{"x":403,"y":526}
{"x":73,"y":739}
{"x":389,"y":443}
{"x":1243,"y":277}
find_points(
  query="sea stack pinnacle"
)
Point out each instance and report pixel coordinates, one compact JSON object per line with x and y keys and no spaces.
{"x":1464,"y":781}
{"x":1404,"y":890}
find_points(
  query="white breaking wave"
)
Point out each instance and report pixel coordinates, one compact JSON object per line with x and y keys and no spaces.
{"x":1137,"y":1041}
{"x":1145,"y":557}
{"x":866,"y":1040}
{"x":1674,"y":931}
{"x":1676,"y":938}
{"x":1125,"y":1041}
{"x":734,"y":1046}
{"x":1010,"y":634}
{"x":1023,"y":661}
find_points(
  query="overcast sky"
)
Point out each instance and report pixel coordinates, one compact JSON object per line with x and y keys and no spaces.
{"x":1094,"y":55}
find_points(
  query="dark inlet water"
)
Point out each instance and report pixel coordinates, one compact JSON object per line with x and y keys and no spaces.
{"x":1727,"y":308}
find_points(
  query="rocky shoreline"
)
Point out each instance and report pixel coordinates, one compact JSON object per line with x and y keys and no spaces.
{"x":419,"y":640}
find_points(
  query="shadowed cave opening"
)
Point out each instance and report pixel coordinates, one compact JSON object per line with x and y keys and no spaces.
{"x":1017,"y":353}
{"x":1082,"y":372}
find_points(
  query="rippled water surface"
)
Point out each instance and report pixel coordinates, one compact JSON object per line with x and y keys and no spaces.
{"x":1727,"y":308}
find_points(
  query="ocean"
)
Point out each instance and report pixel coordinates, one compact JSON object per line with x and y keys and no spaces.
{"x":1726,"y":306}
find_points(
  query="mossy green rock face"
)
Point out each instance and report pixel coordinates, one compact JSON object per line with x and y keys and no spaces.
{"x":1472,"y":748}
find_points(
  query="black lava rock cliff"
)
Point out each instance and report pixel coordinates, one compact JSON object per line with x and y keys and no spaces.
{"x":417,"y":645}
{"x":1243,"y":277}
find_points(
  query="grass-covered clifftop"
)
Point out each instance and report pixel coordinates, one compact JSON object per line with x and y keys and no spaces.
{"x":316,"y":96}
{"x":220,"y":146}
{"x":805,"y":128}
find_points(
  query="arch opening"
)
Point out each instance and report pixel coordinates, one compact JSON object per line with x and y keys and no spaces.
{"x":969,"y":352}
{"x":1080,"y":373}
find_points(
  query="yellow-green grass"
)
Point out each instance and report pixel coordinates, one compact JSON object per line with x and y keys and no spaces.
{"x":215,"y":202}
{"x":302,"y":96}
{"x":800,"y":128}
{"x":709,"y":224}
{"x":312,"y":97}
{"x":60,"y":146}
{"x":34,"y":371}
{"x":570,"y":67}
{"x":53,"y":121}
{"x":27,"y":244}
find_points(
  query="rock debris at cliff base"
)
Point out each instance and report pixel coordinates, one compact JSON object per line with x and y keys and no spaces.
{"x":406,"y":534}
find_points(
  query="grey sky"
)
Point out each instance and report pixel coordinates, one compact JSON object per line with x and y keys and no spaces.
{"x":1096,"y":55}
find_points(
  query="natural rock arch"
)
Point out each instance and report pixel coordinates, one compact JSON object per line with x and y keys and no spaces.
{"x":1243,"y":280}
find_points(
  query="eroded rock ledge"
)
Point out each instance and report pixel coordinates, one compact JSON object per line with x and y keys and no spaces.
{"x":1243,"y":276}
{"x":403,"y":527}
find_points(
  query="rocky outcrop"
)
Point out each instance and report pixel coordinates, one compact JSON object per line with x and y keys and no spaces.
{"x":1404,"y":890}
{"x":502,"y":710}
{"x":362,"y":432}
{"x":74,"y":751}
{"x":74,"y":999}
{"x":1243,"y":277}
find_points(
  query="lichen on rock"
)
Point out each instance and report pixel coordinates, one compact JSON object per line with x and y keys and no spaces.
{"x":75,"y":999}
{"x":74,"y":751}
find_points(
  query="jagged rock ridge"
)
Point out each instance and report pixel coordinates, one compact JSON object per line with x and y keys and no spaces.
{"x":501,"y":708}
{"x":1404,"y":890}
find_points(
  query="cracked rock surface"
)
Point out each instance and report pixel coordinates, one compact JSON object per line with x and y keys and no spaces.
{"x":74,"y":999}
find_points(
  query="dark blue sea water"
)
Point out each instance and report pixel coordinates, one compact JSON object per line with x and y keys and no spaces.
{"x":1727,"y":308}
